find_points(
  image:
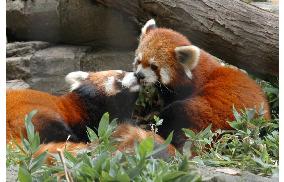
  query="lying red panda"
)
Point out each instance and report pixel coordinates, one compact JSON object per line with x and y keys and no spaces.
{"x":196,"y":88}
{"x":58,"y":117}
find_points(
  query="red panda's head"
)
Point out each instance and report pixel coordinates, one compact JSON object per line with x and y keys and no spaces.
{"x":112,"y":91}
{"x":108,"y":83}
{"x":164,"y":56}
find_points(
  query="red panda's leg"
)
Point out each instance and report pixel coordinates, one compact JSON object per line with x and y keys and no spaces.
{"x":53,"y":129}
{"x":194,"y":113}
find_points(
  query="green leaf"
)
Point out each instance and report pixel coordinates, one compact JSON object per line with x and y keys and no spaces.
{"x":187,"y":149}
{"x":250,"y":113}
{"x":91,"y":134}
{"x":70,"y":157}
{"x":189,"y":133}
{"x":38,"y":162}
{"x":145,"y":147}
{"x":103,"y":126}
{"x":29,"y":125}
{"x":123,"y":177}
{"x":24,"y":175}
{"x":173,"y":175}
{"x":163,"y":146}
{"x":184,"y":165}
{"x":237,"y":115}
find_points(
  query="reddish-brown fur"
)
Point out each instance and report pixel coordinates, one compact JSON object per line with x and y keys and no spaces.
{"x":207,"y":98}
{"x":21,"y":102}
{"x":125,"y":135}
{"x":68,"y":110}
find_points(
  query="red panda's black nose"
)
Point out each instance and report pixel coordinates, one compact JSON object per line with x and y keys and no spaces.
{"x":139,"y":75}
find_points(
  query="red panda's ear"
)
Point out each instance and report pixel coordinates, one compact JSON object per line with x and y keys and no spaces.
{"x":75,"y":78}
{"x":188,"y":56}
{"x":150,"y":24}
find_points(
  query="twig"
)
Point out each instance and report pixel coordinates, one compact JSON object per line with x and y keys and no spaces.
{"x":67,"y":174}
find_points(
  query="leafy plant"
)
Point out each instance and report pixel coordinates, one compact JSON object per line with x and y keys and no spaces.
{"x":271,"y":89}
{"x":242,"y":147}
{"x":103,"y":162}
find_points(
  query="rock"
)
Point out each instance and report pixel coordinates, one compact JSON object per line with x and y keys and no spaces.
{"x":48,"y":67}
{"x":18,"y":58}
{"x":70,"y":21}
{"x":18,"y":67}
{"x":106,"y":60}
{"x":24,"y":48}
{"x":16,"y":84}
{"x":269,"y":6}
{"x":12,"y":173}
{"x":211,"y":174}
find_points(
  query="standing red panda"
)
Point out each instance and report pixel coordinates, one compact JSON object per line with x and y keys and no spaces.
{"x":92,"y":95}
{"x":196,"y":88}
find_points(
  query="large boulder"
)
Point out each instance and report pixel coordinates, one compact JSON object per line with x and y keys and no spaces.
{"x":18,"y":58}
{"x":16,"y":84}
{"x":44,"y":66}
{"x":70,"y":21}
{"x":219,"y":174}
{"x":107,"y":60}
{"x":48,"y":67}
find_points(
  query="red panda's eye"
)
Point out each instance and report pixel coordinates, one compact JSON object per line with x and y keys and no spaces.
{"x":138,"y":61}
{"x":154,"y":67}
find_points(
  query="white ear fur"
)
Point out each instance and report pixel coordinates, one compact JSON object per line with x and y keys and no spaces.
{"x":188,"y":57}
{"x":74,"y":79}
{"x":150,"y":24}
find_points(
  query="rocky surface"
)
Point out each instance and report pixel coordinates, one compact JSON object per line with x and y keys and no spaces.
{"x":269,"y":6}
{"x":214,"y":174}
{"x":16,"y":84}
{"x":69,"y":21}
{"x":48,"y":67}
{"x":106,"y":60}
{"x":44,"y":66}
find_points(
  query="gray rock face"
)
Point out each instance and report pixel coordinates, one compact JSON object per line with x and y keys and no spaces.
{"x":210,"y":174}
{"x":107,"y":60}
{"x":16,"y":84}
{"x":269,"y":6}
{"x":18,"y":58}
{"x":18,"y":67}
{"x":69,"y":21}
{"x":44,"y":66}
{"x":24,"y":48}
{"x":48,"y":67}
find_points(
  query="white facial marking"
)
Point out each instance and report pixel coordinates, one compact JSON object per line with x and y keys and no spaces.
{"x":150,"y":75}
{"x":147,"y":25}
{"x":165,"y":76}
{"x":109,"y":85}
{"x":138,"y":57}
{"x":135,"y":88}
{"x":75,"y":78}
{"x":129,"y":80}
{"x":152,"y":61}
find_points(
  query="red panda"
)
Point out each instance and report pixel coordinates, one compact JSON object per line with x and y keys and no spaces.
{"x":92,"y":94}
{"x":196,"y":88}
